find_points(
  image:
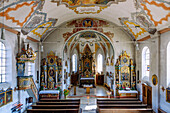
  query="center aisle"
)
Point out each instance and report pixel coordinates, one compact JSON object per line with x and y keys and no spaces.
{"x":88,"y":102}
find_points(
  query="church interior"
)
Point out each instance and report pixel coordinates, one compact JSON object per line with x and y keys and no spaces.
{"x":84,"y":56}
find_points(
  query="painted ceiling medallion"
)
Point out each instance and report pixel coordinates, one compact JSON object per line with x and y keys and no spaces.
{"x":87,"y":6}
{"x":88,"y":10}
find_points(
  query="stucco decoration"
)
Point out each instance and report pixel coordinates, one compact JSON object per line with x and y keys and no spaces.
{"x":87,"y":24}
{"x":132,"y":27}
{"x":36,"y":19}
{"x":149,"y":7}
{"x":87,"y":6}
{"x":13,"y":12}
{"x":44,"y":29}
{"x":143,"y":21}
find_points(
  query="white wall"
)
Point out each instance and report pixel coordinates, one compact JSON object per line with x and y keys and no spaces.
{"x":155,"y":68}
{"x":11,"y":44}
{"x":165,"y":38}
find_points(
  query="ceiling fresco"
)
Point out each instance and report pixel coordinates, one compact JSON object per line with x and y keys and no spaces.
{"x":132,"y":27}
{"x":161,"y":5}
{"x":10,"y":13}
{"x":87,"y":6}
{"x":37,"y":18}
{"x":87,"y":24}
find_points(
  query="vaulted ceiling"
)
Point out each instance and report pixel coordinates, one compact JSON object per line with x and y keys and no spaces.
{"x":37,"y":18}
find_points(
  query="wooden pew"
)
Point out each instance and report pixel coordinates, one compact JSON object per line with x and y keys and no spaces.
{"x":125,"y":110}
{"x":123,"y":106}
{"x":55,"y":106}
{"x":53,"y":111}
{"x":58,"y":103}
{"x":59,"y":100}
{"x":119,"y":99}
{"x":119,"y":102}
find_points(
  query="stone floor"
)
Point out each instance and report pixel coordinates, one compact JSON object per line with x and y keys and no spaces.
{"x":88,"y":102}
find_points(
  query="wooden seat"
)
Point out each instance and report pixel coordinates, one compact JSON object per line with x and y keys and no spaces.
{"x":119,"y":102}
{"x":119,"y":99}
{"x":58,"y":103}
{"x":55,"y":106}
{"x":59,"y":100}
{"x":125,"y":110}
{"x":122,"y":105}
{"x":53,"y":111}
{"x":132,"y":106}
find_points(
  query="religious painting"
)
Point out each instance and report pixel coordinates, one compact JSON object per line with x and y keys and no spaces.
{"x":88,"y":35}
{"x":125,"y":73}
{"x":24,"y":82}
{"x":2,"y":98}
{"x":168,"y":95}
{"x":87,"y":63}
{"x":154,"y":80}
{"x":88,"y":23}
{"x":51,"y":72}
{"x":20,"y":69}
{"x":77,"y":3}
{"x":8,"y":95}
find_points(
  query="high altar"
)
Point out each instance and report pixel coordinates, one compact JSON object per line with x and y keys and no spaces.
{"x":125,"y":76}
{"x":85,"y":70}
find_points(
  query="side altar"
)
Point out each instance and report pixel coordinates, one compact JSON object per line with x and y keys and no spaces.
{"x":125,"y":76}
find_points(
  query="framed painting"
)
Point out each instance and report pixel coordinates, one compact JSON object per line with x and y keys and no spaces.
{"x":154,"y":80}
{"x":168,"y":95}
{"x":2,"y":98}
{"x":8,"y":95}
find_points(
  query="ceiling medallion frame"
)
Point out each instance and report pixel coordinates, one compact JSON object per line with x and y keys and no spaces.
{"x":86,"y":6}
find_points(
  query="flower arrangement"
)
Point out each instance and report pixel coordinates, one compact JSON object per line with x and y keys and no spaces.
{"x":66,"y":92}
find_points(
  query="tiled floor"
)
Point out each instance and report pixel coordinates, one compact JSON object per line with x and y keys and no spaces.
{"x":88,"y":105}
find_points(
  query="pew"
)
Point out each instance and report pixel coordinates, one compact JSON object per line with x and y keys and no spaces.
{"x":119,"y":99}
{"x":55,"y":106}
{"x":58,"y":103}
{"x":125,"y":110}
{"x":132,"y":106}
{"x":59,"y":100}
{"x":119,"y":102}
{"x":53,"y":111}
{"x":122,"y":105}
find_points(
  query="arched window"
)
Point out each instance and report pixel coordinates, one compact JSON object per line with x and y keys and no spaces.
{"x":99,"y":63}
{"x":2,"y":62}
{"x":168,"y":64}
{"x":74,"y":62}
{"x":145,"y":63}
{"x":31,"y":68}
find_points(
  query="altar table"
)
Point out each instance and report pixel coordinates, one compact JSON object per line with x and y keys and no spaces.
{"x":131,"y":93}
{"x":87,"y":81}
{"x":49,"y":94}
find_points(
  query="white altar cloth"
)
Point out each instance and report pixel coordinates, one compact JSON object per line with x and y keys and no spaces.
{"x":49,"y":92}
{"x":131,"y":91}
{"x":86,"y":78}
